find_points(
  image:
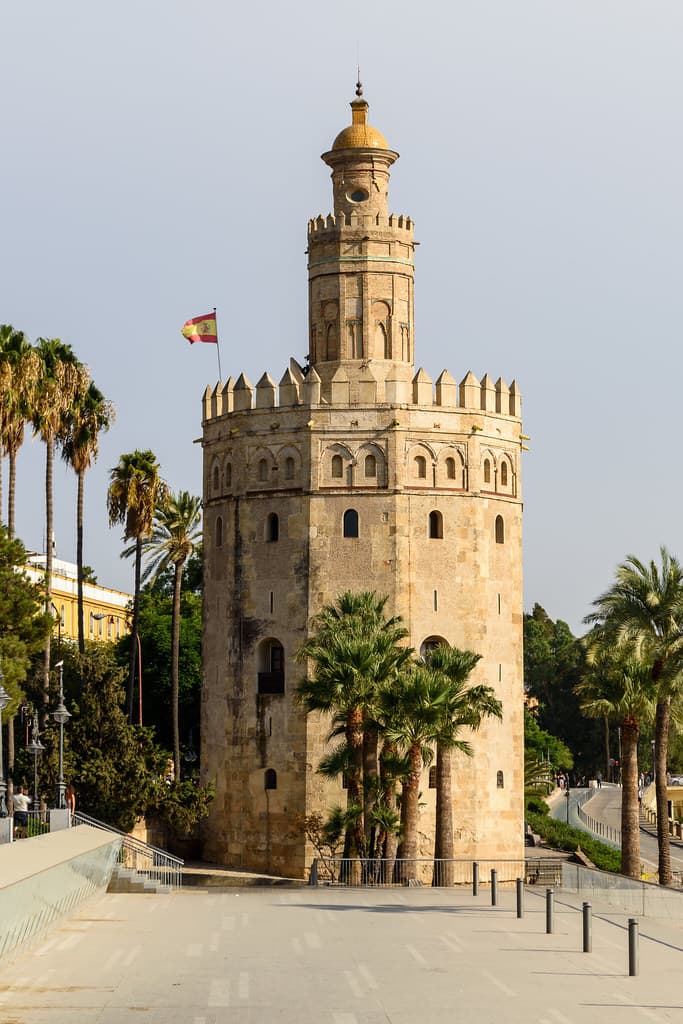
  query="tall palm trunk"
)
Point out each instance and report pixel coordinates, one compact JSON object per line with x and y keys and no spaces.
{"x":370,"y":740}
{"x":443,"y":838}
{"x":388,"y":785}
{"x":134,"y":631}
{"x":11,"y":493}
{"x":175,"y":659}
{"x":409,"y":813}
{"x":79,"y":559}
{"x":608,"y":771}
{"x":662,"y":719}
{"x":354,"y":738}
{"x":630,"y":824}
{"x":49,"y":520}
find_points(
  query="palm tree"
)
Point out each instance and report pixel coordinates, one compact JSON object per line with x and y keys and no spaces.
{"x":61,"y":377}
{"x":89,"y":414}
{"x":418,"y":699}
{"x":135,"y":490}
{"x":621,"y":688}
{"x":465,"y":708}
{"x":642,"y":612}
{"x":175,"y":535}
{"x":19,"y":371}
{"x":353,"y":650}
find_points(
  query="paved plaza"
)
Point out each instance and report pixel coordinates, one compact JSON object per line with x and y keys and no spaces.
{"x":337,"y":956}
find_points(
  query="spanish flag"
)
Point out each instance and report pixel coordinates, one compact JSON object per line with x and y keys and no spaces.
{"x":201,"y":328}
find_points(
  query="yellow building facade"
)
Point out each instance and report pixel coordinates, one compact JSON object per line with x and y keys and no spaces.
{"x":105,"y":611}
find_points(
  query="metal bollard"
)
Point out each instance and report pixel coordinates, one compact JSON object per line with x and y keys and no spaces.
{"x":549,"y":894}
{"x":475,"y":878}
{"x":520,"y":897}
{"x":632,"y":947}
{"x":587,"y":934}
{"x":494,"y":887}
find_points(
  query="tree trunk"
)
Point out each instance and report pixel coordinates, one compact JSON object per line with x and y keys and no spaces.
{"x":354,"y":738}
{"x":134,"y":631}
{"x":443,"y":836}
{"x":49,"y":521}
{"x":662,"y":719}
{"x":608,"y":773}
{"x":79,"y":559}
{"x":370,"y":740}
{"x":11,"y":490}
{"x":409,"y":814}
{"x":175,"y":659}
{"x":630,"y":811}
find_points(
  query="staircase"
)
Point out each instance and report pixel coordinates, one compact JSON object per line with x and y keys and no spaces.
{"x":141,"y":867}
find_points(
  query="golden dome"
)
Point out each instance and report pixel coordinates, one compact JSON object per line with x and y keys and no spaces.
{"x":360,"y":134}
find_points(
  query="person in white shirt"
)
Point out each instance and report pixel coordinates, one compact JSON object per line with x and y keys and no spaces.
{"x":21,"y":802}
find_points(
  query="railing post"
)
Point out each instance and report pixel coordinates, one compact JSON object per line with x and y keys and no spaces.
{"x":520,"y":897}
{"x":549,"y":893}
{"x":475,"y":878}
{"x":313,"y":877}
{"x":494,"y":887}
{"x":587,"y":937}
{"x":632,"y":947}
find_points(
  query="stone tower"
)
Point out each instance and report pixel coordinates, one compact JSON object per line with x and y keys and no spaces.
{"x":355,"y":474}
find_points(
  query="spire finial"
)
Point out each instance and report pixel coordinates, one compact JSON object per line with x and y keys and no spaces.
{"x":359,"y":85}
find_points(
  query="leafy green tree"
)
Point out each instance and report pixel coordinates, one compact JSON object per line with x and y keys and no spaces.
{"x":155,"y":630}
{"x":115,"y":767}
{"x":542,"y":746}
{"x":176,"y":532}
{"x":465,"y":708}
{"x":89,"y":414}
{"x":553,"y":665}
{"x":23,"y":628}
{"x":135,"y":490}
{"x":642,"y":613}
{"x":622,"y":689}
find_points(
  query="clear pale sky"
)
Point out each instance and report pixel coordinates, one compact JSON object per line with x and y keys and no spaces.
{"x":160,"y":158}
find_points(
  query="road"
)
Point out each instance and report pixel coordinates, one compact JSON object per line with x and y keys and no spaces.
{"x":605,"y":806}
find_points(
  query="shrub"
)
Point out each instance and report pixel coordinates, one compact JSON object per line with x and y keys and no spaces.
{"x":565,"y":837}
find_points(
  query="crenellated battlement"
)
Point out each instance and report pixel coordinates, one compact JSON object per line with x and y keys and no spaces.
{"x":295,"y":388}
{"x":319,"y":227}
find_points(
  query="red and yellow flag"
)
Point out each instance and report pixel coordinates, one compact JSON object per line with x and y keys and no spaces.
{"x":201,"y":328}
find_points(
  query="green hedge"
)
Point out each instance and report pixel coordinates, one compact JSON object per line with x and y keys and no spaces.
{"x":565,"y":837}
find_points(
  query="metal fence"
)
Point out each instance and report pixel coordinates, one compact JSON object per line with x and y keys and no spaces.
{"x":598,"y":828}
{"x":38,"y":822}
{"x":148,"y":861}
{"x":379,"y":872}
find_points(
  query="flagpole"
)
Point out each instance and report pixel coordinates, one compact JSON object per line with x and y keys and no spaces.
{"x":218,"y":347}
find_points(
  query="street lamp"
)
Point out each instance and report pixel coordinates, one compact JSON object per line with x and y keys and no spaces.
{"x":35,"y":747}
{"x":4,"y":701}
{"x":61,"y":716}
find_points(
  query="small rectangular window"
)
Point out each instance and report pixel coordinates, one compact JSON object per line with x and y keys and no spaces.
{"x":436,"y":600}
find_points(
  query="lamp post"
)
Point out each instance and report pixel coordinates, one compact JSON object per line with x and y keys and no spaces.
{"x":35,"y":747}
{"x":4,"y":701}
{"x":61,"y":716}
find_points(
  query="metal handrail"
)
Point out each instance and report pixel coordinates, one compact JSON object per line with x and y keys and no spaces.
{"x":597,"y":828}
{"x":427,"y":871}
{"x":148,"y":861}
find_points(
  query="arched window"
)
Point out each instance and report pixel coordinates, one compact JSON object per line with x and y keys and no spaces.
{"x":450,"y":469}
{"x":487,"y":471}
{"x":420,"y":467}
{"x":216,"y":479}
{"x":289,"y":468}
{"x":337,"y":466}
{"x":62,"y":616}
{"x":272,"y":527}
{"x":500,"y":530}
{"x":262,"y":469}
{"x":500,"y":780}
{"x":435,"y":525}
{"x":431,"y":644}
{"x":350,"y":523}
{"x":118,"y":627}
{"x":92,"y":624}
{"x":228,"y":474}
{"x":110,"y":623}
{"x":503,"y":474}
{"x":370,"y":465}
{"x":270,"y":779}
{"x":219,"y":531}
{"x":270,"y":660}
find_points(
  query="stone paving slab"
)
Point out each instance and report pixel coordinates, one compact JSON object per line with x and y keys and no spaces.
{"x":341,"y":956}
